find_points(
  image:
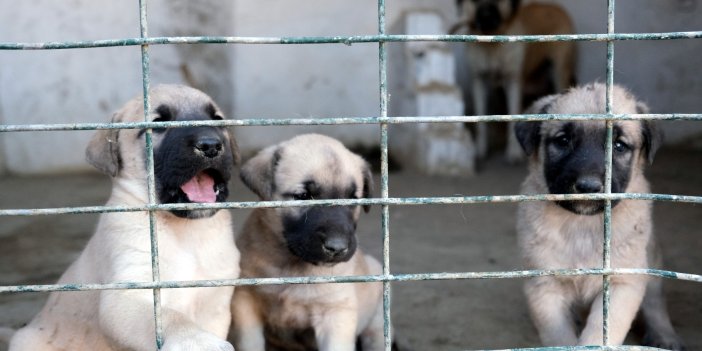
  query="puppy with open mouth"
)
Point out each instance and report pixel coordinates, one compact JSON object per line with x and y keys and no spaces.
{"x":192,"y":165}
{"x":307,"y":241}
{"x":568,"y":157}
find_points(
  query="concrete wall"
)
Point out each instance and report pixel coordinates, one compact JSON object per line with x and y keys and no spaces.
{"x":277,"y":81}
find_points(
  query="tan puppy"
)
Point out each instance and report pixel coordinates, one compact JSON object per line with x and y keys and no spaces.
{"x":567,"y":157}
{"x":512,"y":66}
{"x":313,"y":241}
{"x":192,"y":165}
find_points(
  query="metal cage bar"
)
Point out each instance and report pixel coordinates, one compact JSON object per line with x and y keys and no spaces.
{"x":144,"y":41}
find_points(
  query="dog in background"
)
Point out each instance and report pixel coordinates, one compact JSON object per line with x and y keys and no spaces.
{"x":192,"y":165}
{"x":522,"y":70}
{"x":568,"y":157}
{"x":307,"y":241}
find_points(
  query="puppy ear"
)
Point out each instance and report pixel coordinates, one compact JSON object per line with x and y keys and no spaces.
{"x":652,"y":139}
{"x":103,"y":150}
{"x":258,"y":173}
{"x":529,"y":133}
{"x":367,"y":186}
{"x":234,"y":147}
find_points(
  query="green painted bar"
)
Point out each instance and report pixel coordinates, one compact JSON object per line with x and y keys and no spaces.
{"x":346,"y":40}
{"x":607,"y":242}
{"x":479,"y":199}
{"x":150,"y":182}
{"x":350,"y":279}
{"x":258,"y":122}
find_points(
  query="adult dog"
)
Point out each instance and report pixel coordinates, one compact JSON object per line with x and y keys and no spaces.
{"x":515,"y":67}
{"x":567,"y":157}
{"x":191,"y":165}
{"x":309,"y":241}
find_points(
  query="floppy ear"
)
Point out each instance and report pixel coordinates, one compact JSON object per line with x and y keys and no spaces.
{"x":103,"y":150}
{"x":652,"y":139}
{"x":529,"y":133}
{"x":234,"y":147}
{"x":258,"y":173}
{"x":367,"y":185}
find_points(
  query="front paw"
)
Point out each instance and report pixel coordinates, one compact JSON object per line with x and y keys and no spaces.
{"x":667,"y":342}
{"x":197,"y":342}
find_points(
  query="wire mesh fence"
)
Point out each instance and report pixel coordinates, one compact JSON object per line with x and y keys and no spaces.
{"x":385,"y":201}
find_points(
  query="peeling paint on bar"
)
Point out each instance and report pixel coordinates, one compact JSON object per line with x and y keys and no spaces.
{"x":346,"y":40}
{"x":351,"y":279}
{"x":343,"y":120}
{"x":405,"y":201}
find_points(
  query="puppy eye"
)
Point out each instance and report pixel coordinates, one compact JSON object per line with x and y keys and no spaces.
{"x":160,"y":119}
{"x":302,"y":196}
{"x":620,"y":146}
{"x":562,"y":141}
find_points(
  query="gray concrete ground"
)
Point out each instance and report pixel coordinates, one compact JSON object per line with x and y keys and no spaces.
{"x":438,"y":315}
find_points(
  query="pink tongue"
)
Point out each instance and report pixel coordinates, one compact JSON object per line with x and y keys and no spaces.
{"x":200,"y":188}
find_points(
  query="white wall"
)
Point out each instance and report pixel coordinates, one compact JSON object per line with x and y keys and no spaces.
{"x":275,"y":80}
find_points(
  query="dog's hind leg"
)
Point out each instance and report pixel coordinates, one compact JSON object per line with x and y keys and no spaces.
{"x":480,"y":95}
{"x":513,"y":90}
{"x":659,"y":331}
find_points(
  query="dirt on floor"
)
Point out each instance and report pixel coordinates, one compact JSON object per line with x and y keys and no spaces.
{"x":436,"y":315}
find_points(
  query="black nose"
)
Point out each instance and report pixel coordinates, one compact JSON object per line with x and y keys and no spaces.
{"x":335,"y":246}
{"x":589,"y":185}
{"x":209,"y":146}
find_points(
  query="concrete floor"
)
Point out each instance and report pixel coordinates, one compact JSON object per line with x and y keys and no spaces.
{"x":438,"y":315}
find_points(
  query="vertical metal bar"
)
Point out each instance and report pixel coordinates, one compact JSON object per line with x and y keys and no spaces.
{"x":155,"y":272}
{"x":606,"y":257}
{"x":384,"y":192}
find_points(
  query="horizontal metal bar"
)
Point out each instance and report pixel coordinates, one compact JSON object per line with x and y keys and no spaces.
{"x":352,"y":279}
{"x":355,"y":202}
{"x":347,"y":40}
{"x":586,"y":348}
{"x":345,"y":120}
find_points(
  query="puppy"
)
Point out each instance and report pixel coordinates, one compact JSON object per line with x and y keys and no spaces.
{"x":568,"y":157}
{"x":309,"y":241}
{"x":514,"y":67}
{"x":191,"y":165}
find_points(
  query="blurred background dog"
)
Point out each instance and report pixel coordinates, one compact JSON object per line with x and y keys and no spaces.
{"x":522,"y":71}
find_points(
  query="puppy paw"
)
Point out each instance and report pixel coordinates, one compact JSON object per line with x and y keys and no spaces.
{"x":198,"y":342}
{"x":667,"y":342}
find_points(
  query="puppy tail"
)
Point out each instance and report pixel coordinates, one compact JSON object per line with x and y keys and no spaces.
{"x":6,"y":334}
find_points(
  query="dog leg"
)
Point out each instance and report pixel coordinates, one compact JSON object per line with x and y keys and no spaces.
{"x":247,"y":325}
{"x":373,"y":337}
{"x":513,"y":90}
{"x":127,"y":318}
{"x":659,"y":330}
{"x":480,"y":109}
{"x":336,"y":331}
{"x":551,"y":313}
{"x":625,"y":299}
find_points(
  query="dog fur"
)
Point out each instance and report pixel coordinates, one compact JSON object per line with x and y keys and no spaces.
{"x":290,"y":242}
{"x":568,"y":157}
{"x":513,"y":66}
{"x":193,"y":245}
